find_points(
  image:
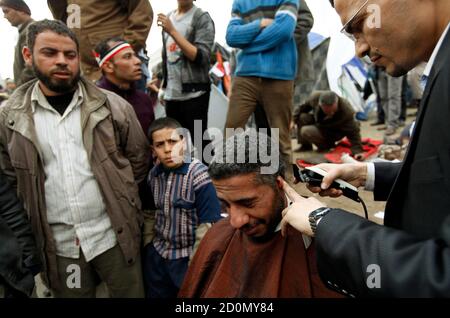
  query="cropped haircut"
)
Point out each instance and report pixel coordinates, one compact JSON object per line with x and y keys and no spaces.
{"x":161,"y":123}
{"x":247,"y":153}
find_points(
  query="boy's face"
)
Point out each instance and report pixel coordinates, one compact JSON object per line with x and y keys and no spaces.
{"x":169,"y":147}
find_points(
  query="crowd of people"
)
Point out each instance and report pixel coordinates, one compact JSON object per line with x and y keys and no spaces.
{"x":92,"y":184}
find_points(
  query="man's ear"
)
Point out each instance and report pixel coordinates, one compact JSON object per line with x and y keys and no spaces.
{"x":27,"y":56}
{"x":108,"y":67}
{"x":280,"y":181}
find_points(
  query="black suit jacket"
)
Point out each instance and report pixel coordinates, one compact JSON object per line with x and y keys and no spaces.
{"x":411,"y":253}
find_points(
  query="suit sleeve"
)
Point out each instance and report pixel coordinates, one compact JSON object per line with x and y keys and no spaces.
{"x":385,"y":175}
{"x":140,"y":18}
{"x":361,"y":258}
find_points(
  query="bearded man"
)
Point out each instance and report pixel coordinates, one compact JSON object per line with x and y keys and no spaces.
{"x":75,"y":153}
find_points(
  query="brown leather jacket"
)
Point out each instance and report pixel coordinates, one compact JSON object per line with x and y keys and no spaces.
{"x":99,"y":20}
{"x":118,"y":153}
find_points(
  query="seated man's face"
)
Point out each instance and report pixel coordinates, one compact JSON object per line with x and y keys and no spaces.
{"x":254,"y":208}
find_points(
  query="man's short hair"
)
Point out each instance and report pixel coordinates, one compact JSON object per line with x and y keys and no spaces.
{"x":328,"y":98}
{"x":55,"y":26}
{"x":161,"y":123}
{"x":247,"y":153}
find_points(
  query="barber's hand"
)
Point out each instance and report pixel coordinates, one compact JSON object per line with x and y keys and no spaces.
{"x":265,"y":23}
{"x":297,"y":214}
{"x":353,"y":173}
{"x":165,"y":23}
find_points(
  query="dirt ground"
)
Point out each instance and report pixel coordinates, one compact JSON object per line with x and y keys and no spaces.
{"x":367,"y":131}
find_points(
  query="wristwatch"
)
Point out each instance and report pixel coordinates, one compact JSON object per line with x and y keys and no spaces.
{"x":315,"y":216}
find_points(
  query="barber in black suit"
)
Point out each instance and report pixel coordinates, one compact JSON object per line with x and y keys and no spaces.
{"x":410,"y":255}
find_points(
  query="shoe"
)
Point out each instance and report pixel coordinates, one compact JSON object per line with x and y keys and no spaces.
{"x":381,"y":128}
{"x":377,"y":123}
{"x":390,"y":131}
{"x":401,"y":123}
{"x":304,"y":148}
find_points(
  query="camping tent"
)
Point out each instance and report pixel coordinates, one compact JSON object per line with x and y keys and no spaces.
{"x":346,"y":79}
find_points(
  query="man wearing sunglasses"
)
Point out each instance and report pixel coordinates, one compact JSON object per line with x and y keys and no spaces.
{"x":410,"y":255}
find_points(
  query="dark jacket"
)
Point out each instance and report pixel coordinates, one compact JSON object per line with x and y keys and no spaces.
{"x":141,"y":102}
{"x":22,"y":73}
{"x":412,"y":250}
{"x":305,"y":22}
{"x":343,"y":122}
{"x":195,"y":74}
{"x":19,"y":261}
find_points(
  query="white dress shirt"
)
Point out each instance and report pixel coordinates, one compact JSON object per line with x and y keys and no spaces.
{"x":75,"y":208}
{"x":370,"y":182}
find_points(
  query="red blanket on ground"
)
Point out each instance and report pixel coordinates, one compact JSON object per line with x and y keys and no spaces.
{"x":370,"y":148}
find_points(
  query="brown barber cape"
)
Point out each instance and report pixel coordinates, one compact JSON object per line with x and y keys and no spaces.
{"x":228,"y":264}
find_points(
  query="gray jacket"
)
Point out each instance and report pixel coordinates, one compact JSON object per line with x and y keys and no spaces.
{"x":195,"y":74}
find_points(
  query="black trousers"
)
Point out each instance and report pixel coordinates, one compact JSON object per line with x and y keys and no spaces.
{"x":186,"y":112}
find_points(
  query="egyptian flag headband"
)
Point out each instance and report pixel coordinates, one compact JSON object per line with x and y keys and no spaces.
{"x":102,"y":59}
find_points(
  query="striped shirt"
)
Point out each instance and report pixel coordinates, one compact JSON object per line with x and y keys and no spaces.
{"x":75,"y":209}
{"x":184,"y":197}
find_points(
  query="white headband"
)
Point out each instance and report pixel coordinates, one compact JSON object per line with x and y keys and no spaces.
{"x":111,"y":53}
